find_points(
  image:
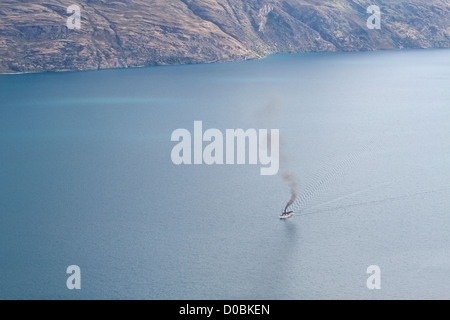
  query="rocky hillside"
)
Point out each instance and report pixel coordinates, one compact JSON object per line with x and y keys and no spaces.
{"x":126,"y":33}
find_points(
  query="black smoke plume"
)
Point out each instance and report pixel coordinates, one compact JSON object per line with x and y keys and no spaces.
{"x":291,"y":179}
{"x":270,"y":116}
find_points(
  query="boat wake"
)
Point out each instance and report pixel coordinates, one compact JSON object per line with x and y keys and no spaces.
{"x":308,"y":211}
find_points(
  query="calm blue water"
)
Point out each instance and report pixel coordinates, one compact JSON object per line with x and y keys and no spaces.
{"x":86,"y":178}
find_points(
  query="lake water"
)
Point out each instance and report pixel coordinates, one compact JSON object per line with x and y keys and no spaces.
{"x":86,"y":179}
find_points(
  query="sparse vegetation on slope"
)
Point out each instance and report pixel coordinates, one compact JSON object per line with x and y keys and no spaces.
{"x":127,"y":33}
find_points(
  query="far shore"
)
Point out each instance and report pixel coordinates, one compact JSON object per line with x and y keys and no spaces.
{"x":212,"y":62}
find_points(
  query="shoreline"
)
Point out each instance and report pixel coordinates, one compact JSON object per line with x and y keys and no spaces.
{"x":216,"y":62}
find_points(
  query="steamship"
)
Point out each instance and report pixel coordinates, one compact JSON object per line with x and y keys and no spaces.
{"x":286,"y":214}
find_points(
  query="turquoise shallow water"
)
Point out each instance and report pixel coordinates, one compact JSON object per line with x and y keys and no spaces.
{"x":86,"y":178}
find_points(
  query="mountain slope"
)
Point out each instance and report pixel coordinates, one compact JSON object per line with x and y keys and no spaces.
{"x":127,"y":33}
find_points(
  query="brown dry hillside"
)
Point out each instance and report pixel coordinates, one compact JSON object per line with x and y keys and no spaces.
{"x":127,"y":33}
